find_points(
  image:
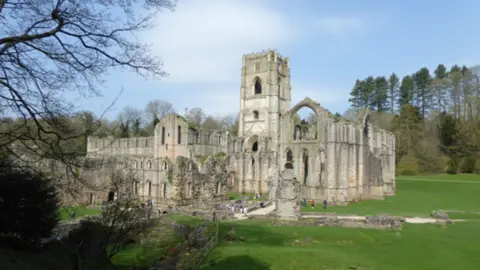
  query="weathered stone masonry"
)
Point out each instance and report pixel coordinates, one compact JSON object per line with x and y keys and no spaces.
{"x":337,"y":160}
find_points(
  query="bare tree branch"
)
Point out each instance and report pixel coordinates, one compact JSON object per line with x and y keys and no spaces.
{"x":50,"y":47}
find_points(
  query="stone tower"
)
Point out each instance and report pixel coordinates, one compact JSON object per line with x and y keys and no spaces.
{"x":265,"y":94}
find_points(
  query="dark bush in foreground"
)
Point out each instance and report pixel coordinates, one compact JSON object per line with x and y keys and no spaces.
{"x":28,"y":206}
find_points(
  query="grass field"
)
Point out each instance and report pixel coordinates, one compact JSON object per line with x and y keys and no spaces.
{"x":416,"y":246}
{"x":81,"y":211}
{"x":419,"y":196}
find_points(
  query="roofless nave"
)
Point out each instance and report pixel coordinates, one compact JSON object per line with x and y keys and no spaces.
{"x":334,"y":159}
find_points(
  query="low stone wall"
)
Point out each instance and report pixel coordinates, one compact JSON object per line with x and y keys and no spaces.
{"x":205,"y":214}
{"x":373,"y":222}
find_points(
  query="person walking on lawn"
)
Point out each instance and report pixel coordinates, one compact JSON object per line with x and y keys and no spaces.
{"x":313,"y":203}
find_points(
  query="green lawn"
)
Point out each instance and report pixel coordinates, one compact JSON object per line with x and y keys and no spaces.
{"x":416,"y":246}
{"x":153,"y":247}
{"x":238,"y":196}
{"x":65,"y":212}
{"x":419,"y":196}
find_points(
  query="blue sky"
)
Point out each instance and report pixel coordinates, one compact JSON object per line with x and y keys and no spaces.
{"x":330,"y":44}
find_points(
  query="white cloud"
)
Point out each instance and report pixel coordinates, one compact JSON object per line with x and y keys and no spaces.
{"x":202,"y":44}
{"x":203,"y":41}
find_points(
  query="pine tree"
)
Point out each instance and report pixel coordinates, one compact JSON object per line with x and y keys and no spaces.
{"x":423,"y":81}
{"x":368,"y":92}
{"x":406,"y":91}
{"x":380,"y":97}
{"x":393,"y":82}
{"x":355,"y":99}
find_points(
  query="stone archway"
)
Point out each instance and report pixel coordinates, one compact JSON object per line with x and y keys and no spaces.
{"x":111,"y":196}
{"x":304,"y":129}
{"x":252,"y":143}
{"x":164,"y":190}
{"x":304,"y":168}
{"x":320,"y":160}
{"x":289,"y":158}
{"x":231,"y":180}
{"x":307,"y":102}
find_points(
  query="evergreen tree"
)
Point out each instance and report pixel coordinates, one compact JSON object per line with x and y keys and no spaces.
{"x":380,"y":95}
{"x":28,"y":205}
{"x":406,"y":91}
{"x":368,"y":92}
{"x":423,"y":82}
{"x":393,"y":82}
{"x":355,"y":99}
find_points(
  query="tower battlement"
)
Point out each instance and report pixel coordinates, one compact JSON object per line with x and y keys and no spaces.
{"x":263,"y":53}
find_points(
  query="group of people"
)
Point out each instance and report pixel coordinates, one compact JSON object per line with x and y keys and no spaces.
{"x":240,"y":207}
{"x":304,"y":203}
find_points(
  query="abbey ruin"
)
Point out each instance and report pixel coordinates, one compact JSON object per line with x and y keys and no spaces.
{"x":333,"y":159}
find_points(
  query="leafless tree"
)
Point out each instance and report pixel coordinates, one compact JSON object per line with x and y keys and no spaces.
{"x":210,"y":124}
{"x":158,"y":108}
{"x":50,"y":47}
{"x":195,"y":117}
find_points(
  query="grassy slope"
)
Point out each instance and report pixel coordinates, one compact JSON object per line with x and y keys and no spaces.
{"x":415,"y":247}
{"x":420,"y":197}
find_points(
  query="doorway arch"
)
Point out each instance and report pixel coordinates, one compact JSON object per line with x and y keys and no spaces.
{"x":111,"y":196}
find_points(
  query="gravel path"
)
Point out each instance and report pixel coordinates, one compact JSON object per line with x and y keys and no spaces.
{"x":257,"y":212}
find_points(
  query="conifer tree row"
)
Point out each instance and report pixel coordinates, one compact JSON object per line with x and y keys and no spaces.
{"x":435,"y":116}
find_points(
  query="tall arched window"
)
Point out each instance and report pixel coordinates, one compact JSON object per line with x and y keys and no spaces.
{"x":163,"y":135}
{"x":179,"y":135}
{"x":255,"y":147}
{"x":258,"y":86}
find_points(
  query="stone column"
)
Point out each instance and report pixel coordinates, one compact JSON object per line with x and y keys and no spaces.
{"x":331,"y":164}
{"x":361,"y":165}
{"x":352,"y":166}
{"x":343,"y":191}
{"x":241,"y":171}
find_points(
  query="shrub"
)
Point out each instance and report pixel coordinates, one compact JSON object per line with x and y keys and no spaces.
{"x":408,"y":165}
{"x":28,"y":205}
{"x":467,"y":165}
{"x":452,"y":166}
{"x":89,"y":242}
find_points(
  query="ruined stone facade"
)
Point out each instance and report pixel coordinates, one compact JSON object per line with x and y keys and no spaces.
{"x":336,"y":159}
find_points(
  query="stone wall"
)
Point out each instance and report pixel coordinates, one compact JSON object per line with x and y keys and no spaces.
{"x":288,"y":197}
{"x":372,"y":222}
{"x":335,"y":159}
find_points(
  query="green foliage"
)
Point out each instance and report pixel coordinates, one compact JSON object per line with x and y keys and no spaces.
{"x":467,"y":165}
{"x":155,"y":121}
{"x":452,"y":166}
{"x":477,"y":166}
{"x":28,"y":205}
{"x":220,"y":154}
{"x":408,"y":165}
{"x":202,"y":159}
{"x":91,"y":238}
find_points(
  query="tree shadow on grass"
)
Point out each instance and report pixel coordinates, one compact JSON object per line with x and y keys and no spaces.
{"x":237,"y":262}
{"x":252,"y":233}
